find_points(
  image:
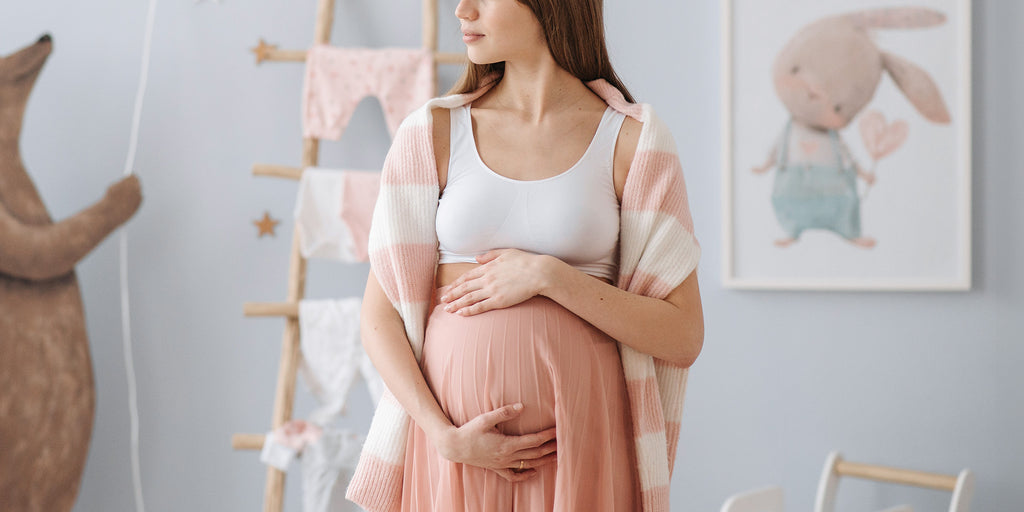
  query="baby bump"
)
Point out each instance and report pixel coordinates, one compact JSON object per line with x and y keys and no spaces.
{"x":535,"y":352}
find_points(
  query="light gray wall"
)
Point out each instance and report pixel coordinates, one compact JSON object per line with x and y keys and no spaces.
{"x":921,"y":380}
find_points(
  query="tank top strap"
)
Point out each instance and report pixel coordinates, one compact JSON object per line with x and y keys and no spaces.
{"x":459,"y":140}
{"x":608,"y":132}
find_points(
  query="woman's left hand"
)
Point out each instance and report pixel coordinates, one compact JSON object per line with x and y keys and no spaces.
{"x":505,"y":278}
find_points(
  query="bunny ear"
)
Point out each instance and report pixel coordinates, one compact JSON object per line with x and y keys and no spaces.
{"x":917,"y":86}
{"x":896,"y":17}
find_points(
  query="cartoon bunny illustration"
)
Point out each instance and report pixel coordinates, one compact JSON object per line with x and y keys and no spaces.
{"x":825,"y":75}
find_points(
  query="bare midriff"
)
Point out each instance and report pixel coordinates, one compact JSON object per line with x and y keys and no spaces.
{"x":449,"y":272}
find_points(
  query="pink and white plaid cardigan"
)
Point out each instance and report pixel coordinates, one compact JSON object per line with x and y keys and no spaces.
{"x":657,"y":252}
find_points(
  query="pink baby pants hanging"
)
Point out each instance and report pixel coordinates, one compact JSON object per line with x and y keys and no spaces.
{"x":337,"y":79}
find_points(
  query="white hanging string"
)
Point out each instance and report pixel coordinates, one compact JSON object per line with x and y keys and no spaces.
{"x":129,"y":163}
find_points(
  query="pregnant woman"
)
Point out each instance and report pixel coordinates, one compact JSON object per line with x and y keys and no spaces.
{"x":536,"y":218}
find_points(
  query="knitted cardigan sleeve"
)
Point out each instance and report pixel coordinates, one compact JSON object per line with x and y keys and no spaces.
{"x":658,"y":251}
{"x":403,"y":254}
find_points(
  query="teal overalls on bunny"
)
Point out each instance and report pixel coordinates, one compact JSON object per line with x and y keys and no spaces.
{"x":816,"y":196}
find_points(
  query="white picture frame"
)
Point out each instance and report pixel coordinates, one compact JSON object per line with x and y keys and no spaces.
{"x":912,"y":229}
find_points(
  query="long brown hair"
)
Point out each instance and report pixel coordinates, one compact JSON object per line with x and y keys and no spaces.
{"x":575,"y":34}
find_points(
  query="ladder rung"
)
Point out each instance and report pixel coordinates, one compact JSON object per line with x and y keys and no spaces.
{"x":450,"y":58}
{"x":270,"y":52}
{"x":288,"y":309}
{"x":279,"y":171}
{"x":247,"y":441}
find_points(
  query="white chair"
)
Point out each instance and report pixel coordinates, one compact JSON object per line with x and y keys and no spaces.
{"x":770,"y":499}
{"x":765,"y":499}
{"x":962,"y":485}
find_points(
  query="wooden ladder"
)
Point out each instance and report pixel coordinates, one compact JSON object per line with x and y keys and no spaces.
{"x":284,"y":397}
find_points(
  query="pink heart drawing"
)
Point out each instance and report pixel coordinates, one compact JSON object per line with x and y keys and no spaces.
{"x":809,"y":146}
{"x":880,"y":138}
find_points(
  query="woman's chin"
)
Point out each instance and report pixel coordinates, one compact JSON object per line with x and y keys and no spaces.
{"x":479,"y":57}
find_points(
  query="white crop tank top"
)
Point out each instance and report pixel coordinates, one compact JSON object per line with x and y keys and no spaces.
{"x":573,"y":216}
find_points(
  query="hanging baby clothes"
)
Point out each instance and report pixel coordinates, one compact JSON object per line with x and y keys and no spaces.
{"x":333,"y":211}
{"x":337,"y":79}
{"x":327,"y":467}
{"x":283,"y":444}
{"x":328,"y":456}
{"x":359,"y":191}
{"x":332,"y":354}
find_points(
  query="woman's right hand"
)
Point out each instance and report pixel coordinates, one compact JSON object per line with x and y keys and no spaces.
{"x":479,"y":443}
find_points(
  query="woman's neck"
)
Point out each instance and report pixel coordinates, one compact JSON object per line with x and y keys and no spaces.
{"x":535,"y":90}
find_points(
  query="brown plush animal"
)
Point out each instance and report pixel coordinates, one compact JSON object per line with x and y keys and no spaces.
{"x":47,"y":394}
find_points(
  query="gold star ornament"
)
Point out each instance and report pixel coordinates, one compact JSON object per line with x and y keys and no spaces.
{"x":266,"y":225}
{"x":263,"y":50}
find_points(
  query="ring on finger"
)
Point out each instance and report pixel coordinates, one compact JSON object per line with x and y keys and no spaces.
{"x":520,"y":464}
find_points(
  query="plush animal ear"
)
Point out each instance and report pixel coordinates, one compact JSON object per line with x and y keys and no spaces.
{"x":917,"y":86}
{"x":895,"y":17}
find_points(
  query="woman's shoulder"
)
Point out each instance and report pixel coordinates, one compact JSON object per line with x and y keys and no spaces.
{"x":654,"y":134}
{"x":625,"y":150}
{"x":441,"y":135}
{"x":419,"y":117}
{"x":441,"y":122}
{"x":629,"y":137}
{"x":645,"y":133}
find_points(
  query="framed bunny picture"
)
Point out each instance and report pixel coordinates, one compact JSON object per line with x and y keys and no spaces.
{"x":846,"y":144}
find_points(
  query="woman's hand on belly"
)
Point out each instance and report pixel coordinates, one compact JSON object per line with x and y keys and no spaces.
{"x":479,"y":443}
{"x":505,"y":278}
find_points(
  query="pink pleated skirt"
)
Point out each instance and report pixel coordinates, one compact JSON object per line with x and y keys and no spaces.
{"x":566,"y":372}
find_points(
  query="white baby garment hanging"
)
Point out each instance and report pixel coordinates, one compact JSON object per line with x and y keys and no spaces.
{"x":333,"y":211}
{"x":327,"y":467}
{"x":332,"y":354}
{"x":329,"y":457}
{"x":282,"y":445}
